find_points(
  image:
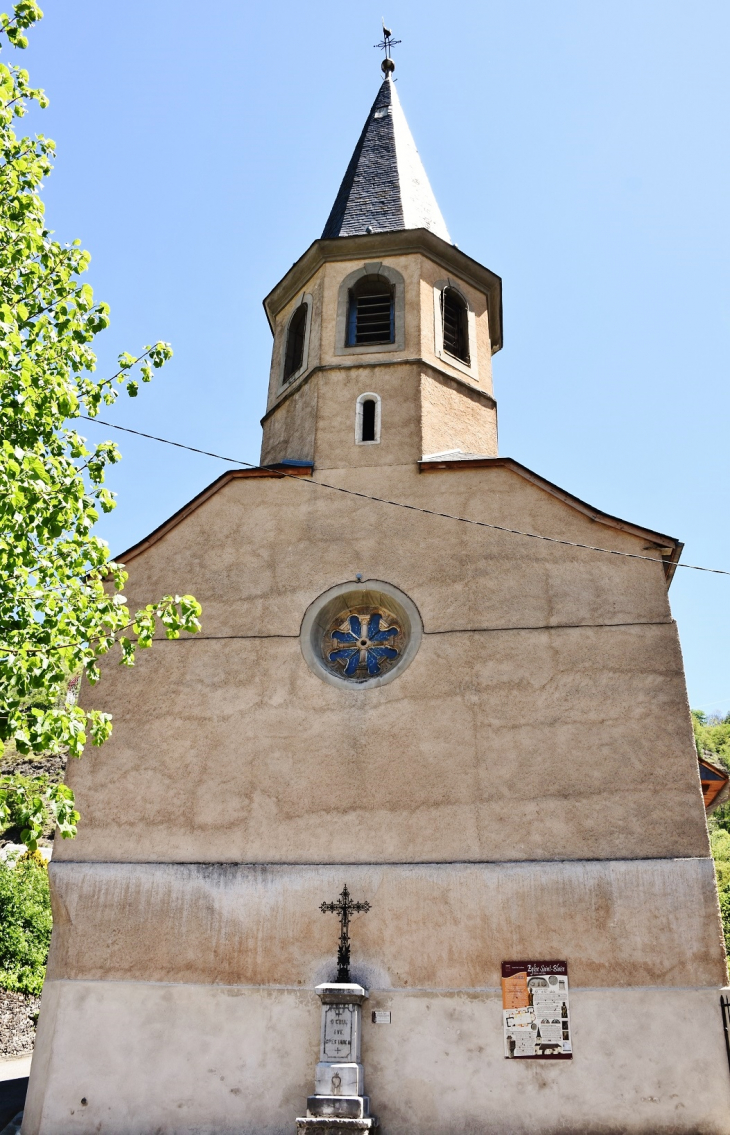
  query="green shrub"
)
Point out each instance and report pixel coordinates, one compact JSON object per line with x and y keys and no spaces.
{"x":25,"y":925}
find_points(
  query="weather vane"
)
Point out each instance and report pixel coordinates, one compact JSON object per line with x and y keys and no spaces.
{"x":387,"y":66}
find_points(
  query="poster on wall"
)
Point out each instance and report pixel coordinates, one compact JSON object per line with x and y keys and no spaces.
{"x":536,"y":1010}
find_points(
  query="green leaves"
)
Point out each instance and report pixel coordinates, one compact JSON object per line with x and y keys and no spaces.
{"x":25,"y":924}
{"x":61,"y":601}
{"x":24,"y":15}
{"x":30,"y":806}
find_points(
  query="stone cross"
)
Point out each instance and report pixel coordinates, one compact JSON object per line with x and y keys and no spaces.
{"x":345,"y":908}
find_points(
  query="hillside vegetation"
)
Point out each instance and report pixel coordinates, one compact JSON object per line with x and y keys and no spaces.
{"x":712,"y":736}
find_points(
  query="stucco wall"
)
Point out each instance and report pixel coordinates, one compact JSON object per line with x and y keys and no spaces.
{"x":400,"y":430}
{"x":528,"y":786}
{"x":213,"y":1060}
{"x":291,"y":432}
{"x":544,"y":715}
{"x":437,"y":926}
{"x":452,"y":418}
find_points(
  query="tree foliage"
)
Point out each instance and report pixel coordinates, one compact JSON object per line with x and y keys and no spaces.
{"x":712,"y":735}
{"x":25,"y":924}
{"x":61,"y":597}
{"x":31,"y":805}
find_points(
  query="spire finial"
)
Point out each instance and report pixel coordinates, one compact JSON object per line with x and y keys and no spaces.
{"x":387,"y":66}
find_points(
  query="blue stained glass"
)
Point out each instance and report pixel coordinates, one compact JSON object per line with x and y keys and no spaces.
{"x":344,"y":636}
{"x":374,"y":632}
{"x":375,"y":653}
{"x":352,"y":656}
{"x":383,"y":651}
{"x":358,"y":645}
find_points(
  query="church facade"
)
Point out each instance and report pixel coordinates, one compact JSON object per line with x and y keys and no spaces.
{"x":484,"y":736}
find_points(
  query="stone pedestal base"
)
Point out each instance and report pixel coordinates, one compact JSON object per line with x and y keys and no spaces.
{"x":339,"y":1103}
{"x":334,"y":1125}
{"x":341,"y":1107}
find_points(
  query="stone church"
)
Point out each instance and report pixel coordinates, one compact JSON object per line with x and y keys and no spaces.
{"x":484,"y":736}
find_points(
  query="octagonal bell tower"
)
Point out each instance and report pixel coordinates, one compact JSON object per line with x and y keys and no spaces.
{"x":383,"y":330}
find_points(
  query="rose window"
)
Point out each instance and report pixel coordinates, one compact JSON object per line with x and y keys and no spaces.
{"x":367,"y":643}
{"x":360,"y":635}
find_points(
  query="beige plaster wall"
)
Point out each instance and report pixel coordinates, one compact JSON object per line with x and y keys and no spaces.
{"x":431,"y":926}
{"x":399,"y":388}
{"x":259,"y":551}
{"x":432,"y":274}
{"x":451,"y":419}
{"x":291,"y":432}
{"x":335,"y":271}
{"x":517,"y":745}
{"x":314,"y":288}
{"x":211,"y":1060}
{"x":544,"y":715}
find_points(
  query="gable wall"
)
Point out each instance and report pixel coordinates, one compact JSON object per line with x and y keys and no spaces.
{"x":517,"y":725}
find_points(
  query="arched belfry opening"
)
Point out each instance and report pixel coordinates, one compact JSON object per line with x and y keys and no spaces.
{"x":371,"y":312}
{"x":296,"y":335}
{"x":455,"y":317}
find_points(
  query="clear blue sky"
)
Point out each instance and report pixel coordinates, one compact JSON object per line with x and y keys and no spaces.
{"x":579,"y":150}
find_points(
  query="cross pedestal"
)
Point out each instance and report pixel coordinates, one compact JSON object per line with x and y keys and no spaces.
{"x":339,"y":1103}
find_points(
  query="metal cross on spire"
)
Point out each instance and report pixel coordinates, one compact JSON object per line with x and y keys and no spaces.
{"x":345,"y":908}
{"x":387,"y":66}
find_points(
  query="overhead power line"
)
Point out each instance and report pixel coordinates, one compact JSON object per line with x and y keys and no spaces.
{"x":397,"y":504}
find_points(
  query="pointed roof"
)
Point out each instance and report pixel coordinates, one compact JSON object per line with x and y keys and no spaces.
{"x":385,"y":186}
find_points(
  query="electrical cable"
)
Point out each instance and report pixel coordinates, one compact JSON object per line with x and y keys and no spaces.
{"x":397,"y":504}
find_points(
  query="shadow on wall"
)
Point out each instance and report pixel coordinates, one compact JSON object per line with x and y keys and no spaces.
{"x":369,"y":976}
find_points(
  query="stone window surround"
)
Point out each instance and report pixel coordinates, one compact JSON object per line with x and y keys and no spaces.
{"x":283,"y":382}
{"x":368,"y":396}
{"x":372,"y":268}
{"x":471,"y":322}
{"x":375,"y":591}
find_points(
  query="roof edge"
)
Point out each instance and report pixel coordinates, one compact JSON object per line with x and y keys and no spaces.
{"x":282,"y":469}
{"x":290,"y":468}
{"x":391,"y":243}
{"x":669,"y":560}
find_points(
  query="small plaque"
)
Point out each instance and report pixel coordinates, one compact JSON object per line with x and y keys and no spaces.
{"x":381,"y":1016}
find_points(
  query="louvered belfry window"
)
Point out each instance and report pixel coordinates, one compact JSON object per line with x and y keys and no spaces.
{"x":456,"y":325}
{"x":370,"y":317}
{"x":295,"y":342}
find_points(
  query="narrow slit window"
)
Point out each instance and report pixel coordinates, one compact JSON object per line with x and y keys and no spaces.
{"x":295,"y":342}
{"x":367,"y":419}
{"x":367,"y":432}
{"x":455,"y":316}
{"x":370,"y":317}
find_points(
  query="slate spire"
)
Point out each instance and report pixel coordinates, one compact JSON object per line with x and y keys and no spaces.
{"x":385,"y":186}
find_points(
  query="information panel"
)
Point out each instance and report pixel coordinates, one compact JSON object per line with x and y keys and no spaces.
{"x":536,"y":1010}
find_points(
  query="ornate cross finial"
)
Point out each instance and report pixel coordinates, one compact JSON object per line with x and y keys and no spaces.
{"x":345,"y":908}
{"x":387,"y":66}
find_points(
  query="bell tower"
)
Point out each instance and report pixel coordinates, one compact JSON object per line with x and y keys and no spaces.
{"x":383,"y":330}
